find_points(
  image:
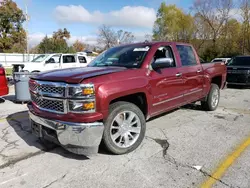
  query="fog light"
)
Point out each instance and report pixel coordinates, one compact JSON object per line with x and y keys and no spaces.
{"x":82,"y":106}
{"x":89,"y":106}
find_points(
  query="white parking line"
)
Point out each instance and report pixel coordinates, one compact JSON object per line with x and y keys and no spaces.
{"x":12,"y":179}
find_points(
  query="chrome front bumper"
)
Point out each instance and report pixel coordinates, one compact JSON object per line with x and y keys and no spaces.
{"x":80,"y":138}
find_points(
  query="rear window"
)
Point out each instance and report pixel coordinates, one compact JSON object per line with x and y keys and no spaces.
{"x":69,"y":59}
{"x":187,"y":55}
{"x":240,"y":61}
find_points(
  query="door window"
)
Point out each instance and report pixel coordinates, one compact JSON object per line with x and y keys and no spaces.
{"x":187,"y":55}
{"x":82,"y":59}
{"x":54,"y":59}
{"x":69,"y":59}
{"x":165,"y":52}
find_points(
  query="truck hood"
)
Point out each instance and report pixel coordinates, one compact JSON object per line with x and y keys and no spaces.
{"x":76,"y":75}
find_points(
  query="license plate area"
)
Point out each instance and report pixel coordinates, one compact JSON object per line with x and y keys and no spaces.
{"x":36,"y":129}
{"x":44,"y":132}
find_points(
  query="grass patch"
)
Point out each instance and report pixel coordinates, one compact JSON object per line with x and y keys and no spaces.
{"x":8,"y":71}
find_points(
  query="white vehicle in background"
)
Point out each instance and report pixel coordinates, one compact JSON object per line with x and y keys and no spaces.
{"x":46,"y":62}
{"x":225,"y":60}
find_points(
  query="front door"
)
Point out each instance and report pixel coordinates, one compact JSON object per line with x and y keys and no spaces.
{"x":192,"y":73}
{"x":166,"y":84}
{"x":52,"y":63}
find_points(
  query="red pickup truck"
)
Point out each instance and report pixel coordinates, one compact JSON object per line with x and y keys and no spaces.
{"x":110,"y":100}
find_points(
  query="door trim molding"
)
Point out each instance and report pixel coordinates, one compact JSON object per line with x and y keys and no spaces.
{"x":177,"y":97}
{"x":171,"y":99}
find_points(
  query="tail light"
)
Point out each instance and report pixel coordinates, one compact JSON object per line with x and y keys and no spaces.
{"x":2,"y":71}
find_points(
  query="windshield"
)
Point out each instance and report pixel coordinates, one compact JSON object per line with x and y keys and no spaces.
{"x":240,"y":61}
{"x":39,"y":58}
{"x":122,"y":56}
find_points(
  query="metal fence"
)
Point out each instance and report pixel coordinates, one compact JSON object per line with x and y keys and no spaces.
{"x":7,"y":59}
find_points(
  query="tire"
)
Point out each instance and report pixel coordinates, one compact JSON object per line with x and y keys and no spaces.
{"x":116,"y":125}
{"x":209,"y":104}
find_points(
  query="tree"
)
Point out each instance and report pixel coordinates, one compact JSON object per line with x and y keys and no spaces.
{"x":56,"y":44}
{"x":109,"y":37}
{"x":201,"y":33}
{"x":46,"y":45}
{"x":79,"y":46}
{"x":245,"y":9}
{"x":34,"y":50}
{"x":148,"y":37}
{"x":124,"y":37}
{"x":173,"y":24}
{"x":12,"y":34}
{"x":230,"y":41}
{"x":61,"y":34}
{"x":215,"y":13}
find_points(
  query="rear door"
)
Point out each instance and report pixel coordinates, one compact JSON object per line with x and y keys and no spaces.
{"x":166,"y":84}
{"x":192,"y":73}
{"x":69,"y":61}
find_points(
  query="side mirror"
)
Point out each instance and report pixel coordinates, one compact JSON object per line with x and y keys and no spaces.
{"x":46,"y":62}
{"x":162,"y":63}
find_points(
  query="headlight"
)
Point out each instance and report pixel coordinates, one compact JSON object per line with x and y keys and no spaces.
{"x":81,"y":91}
{"x":248,"y":72}
{"x":82,"y":106}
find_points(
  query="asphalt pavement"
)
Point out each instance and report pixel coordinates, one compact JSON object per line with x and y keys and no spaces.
{"x":185,"y":148}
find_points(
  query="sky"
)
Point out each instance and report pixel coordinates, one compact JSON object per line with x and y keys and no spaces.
{"x":83,"y":17}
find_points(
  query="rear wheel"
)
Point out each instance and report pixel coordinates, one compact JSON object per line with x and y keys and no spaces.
{"x":212,"y":100}
{"x":124,"y":128}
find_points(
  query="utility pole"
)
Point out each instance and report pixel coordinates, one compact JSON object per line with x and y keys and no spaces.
{"x":27,"y":29}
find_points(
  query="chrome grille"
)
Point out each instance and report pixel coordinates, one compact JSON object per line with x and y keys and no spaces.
{"x":51,"y":89}
{"x":33,"y":86}
{"x":48,"y":104}
{"x":48,"y":96}
{"x":52,"y":96}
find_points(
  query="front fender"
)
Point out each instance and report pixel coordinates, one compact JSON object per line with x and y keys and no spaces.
{"x":108,"y":92}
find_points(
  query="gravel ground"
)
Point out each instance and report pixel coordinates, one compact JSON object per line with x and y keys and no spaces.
{"x":181,"y":149}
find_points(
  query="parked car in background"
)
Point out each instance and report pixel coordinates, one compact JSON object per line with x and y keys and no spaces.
{"x":112,"y":97}
{"x":47,"y":62}
{"x":238,"y":71}
{"x":4,"y":89}
{"x":225,"y":60}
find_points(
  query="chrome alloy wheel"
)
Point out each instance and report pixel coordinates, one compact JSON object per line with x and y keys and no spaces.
{"x":125,"y":129}
{"x":215,"y":98}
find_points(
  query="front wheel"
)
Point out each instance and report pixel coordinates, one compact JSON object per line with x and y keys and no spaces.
{"x":212,"y":100}
{"x":124,"y":128}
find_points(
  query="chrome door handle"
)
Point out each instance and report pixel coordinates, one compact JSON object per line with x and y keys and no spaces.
{"x":198,"y":71}
{"x":178,"y":74}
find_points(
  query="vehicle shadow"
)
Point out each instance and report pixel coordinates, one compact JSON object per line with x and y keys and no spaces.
{"x":10,"y":98}
{"x":196,"y":107}
{"x":20,"y":123}
{"x":163,"y":114}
